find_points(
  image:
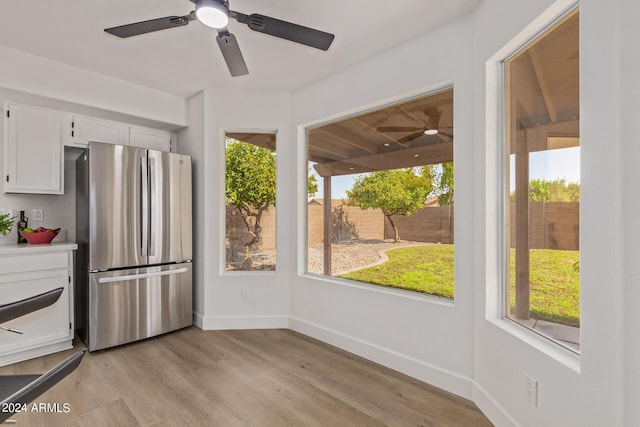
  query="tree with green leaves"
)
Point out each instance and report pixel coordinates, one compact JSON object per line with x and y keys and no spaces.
{"x":557,"y":190}
{"x":250,"y":185}
{"x":394,"y":192}
{"x":312,"y":183}
{"x":444,"y":190}
{"x":444,"y":185}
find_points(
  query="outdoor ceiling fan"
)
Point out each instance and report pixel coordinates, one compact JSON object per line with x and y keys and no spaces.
{"x":432,"y":127}
{"x":216,"y":14}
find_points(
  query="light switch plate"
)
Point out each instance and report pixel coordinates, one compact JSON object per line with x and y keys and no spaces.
{"x":37,"y":215}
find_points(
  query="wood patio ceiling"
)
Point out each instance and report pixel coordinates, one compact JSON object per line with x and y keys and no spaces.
{"x":389,"y":138}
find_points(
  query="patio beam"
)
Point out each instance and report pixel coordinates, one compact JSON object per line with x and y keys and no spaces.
{"x":382,"y":134}
{"x":522,"y":226}
{"x":538,"y":69}
{"x":552,"y":136}
{"x":326,"y":240}
{"x":411,"y":157}
{"x":347,"y":139}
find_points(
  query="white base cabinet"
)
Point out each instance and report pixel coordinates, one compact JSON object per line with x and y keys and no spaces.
{"x":26,"y":271}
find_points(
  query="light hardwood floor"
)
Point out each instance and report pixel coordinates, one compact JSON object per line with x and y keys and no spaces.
{"x":239,"y":378}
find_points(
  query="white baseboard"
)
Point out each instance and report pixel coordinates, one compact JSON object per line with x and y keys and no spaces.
{"x":241,"y":322}
{"x":491,"y":409}
{"x":429,"y":373}
{"x":198,"y":320}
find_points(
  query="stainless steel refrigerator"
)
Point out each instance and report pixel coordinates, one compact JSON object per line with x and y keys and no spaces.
{"x":133,"y":228}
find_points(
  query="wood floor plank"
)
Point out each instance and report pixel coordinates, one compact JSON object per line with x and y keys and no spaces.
{"x":346,"y":375}
{"x":240,"y":378}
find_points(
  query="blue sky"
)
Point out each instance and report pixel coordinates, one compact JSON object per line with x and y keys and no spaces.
{"x":551,"y":165}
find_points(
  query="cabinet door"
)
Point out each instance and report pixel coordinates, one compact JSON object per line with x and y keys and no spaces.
{"x":42,"y":327}
{"x":33,"y":154}
{"x":85,"y":129}
{"x":153,"y":139}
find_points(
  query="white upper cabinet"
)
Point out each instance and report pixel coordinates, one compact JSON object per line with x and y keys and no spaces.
{"x":33,"y":154}
{"x":79,"y":130}
{"x":154,"y":139}
{"x":34,"y":140}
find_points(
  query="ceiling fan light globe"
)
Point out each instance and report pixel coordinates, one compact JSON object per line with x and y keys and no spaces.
{"x":431,"y":132}
{"x":212,"y":13}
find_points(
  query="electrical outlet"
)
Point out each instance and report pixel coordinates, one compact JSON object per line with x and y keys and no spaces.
{"x":531,"y":390}
{"x":244,"y":294}
{"x":37,"y":215}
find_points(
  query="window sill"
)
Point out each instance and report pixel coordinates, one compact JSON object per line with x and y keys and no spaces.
{"x":249,"y":272}
{"x":544,"y":345}
{"x":397,"y":292}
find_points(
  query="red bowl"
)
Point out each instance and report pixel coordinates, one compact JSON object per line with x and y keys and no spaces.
{"x":40,"y":238}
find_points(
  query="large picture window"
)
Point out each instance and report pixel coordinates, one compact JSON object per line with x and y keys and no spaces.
{"x":542,"y":194}
{"x":383,"y":212}
{"x":250,"y":196}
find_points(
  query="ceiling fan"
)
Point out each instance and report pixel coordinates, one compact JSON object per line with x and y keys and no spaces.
{"x":216,"y":14}
{"x":431,"y":128}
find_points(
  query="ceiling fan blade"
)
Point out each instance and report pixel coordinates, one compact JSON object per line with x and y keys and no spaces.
{"x":397,"y":128}
{"x":232,"y":54}
{"x":286,"y":30}
{"x":149,"y":26}
{"x":411,"y":137}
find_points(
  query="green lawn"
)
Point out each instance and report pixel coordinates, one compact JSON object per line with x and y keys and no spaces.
{"x":555,"y":285}
{"x":555,"y":279}
{"x":427,"y":269}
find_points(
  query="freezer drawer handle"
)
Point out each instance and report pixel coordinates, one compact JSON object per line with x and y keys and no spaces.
{"x":141,"y":276}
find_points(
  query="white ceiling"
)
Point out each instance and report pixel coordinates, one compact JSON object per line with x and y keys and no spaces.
{"x":187,"y":59}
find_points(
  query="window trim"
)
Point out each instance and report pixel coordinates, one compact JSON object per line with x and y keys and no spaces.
{"x":302,"y":191}
{"x":223,"y":218}
{"x":496,"y":218}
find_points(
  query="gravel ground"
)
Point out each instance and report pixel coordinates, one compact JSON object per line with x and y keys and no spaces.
{"x":346,"y":256}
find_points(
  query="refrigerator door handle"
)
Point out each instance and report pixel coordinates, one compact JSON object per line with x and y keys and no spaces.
{"x":144,"y":208}
{"x":141,"y":276}
{"x":153,"y":206}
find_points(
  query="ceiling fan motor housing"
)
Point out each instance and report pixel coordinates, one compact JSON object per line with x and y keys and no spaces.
{"x":213,"y":13}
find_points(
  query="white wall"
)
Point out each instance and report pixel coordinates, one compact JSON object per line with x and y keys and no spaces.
{"x":36,"y":75}
{"x":588,"y":391}
{"x":627,"y":84}
{"x":268,"y":292}
{"x":415,"y":334}
{"x":461,"y":348}
{"x":192,"y":142}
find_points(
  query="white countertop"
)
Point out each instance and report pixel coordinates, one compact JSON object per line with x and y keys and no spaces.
{"x":27,"y":248}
